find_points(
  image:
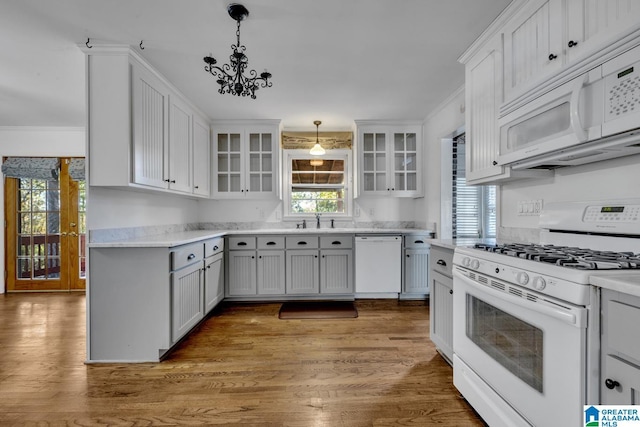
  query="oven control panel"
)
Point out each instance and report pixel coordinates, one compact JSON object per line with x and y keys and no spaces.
{"x":612,"y":214}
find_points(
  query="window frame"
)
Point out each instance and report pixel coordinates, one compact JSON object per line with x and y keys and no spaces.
{"x":338,"y":154}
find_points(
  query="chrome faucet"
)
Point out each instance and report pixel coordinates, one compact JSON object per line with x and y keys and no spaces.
{"x":304,"y":223}
{"x":317,"y":220}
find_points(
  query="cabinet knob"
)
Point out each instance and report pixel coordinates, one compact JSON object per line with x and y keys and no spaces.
{"x":611,"y":384}
{"x":196,"y":187}
{"x":450,"y":291}
{"x":408,"y":256}
{"x":494,"y":163}
{"x":191,"y":256}
{"x":441,"y":262}
{"x":572,"y":43}
{"x":552,"y":56}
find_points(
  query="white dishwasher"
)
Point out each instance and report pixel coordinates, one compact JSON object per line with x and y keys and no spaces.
{"x":378,"y":264}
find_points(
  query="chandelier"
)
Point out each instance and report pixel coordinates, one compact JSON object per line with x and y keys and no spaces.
{"x":231,"y":77}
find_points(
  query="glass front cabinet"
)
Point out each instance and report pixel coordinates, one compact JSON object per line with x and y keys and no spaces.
{"x":390,"y":157}
{"x":246,"y":160}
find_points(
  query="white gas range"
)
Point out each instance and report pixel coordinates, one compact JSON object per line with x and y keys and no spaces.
{"x":526,"y":318}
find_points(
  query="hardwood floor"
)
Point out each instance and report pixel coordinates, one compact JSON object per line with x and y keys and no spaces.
{"x":242,"y":367}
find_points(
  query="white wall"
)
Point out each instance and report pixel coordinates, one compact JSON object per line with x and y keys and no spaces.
{"x":441,"y":124}
{"x":121,"y":208}
{"x":37,"y":142}
{"x":607,"y":180}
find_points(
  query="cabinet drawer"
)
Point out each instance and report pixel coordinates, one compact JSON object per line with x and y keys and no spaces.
{"x":621,"y":337}
{"x":185,"y":255}
{"x":213,"y":246}
{"x":273,"y":242}
{"x":441,"y":260}
{"x":302,"y":242}
{"x":415,"y":241}
{"x":336,"y":242}
{"x":242,"y":243}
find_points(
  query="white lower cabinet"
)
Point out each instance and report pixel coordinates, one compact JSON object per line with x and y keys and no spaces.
{"x":242,"y":273}
{"x":271,"y":263}
{"x":620,"y":349}
{"x":303,"y":271}
{"x":441,"y":301}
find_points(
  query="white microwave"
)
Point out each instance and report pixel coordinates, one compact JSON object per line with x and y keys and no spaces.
{"x":594,"y":116}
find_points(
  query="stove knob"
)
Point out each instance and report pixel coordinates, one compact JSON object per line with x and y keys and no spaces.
{"x":522,"y":278}
{"x":539,"y":283}
{"x":475,"y":264}
{"x":465,"y":261}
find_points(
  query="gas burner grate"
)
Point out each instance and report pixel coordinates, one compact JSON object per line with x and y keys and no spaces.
{"x":567,"y":256}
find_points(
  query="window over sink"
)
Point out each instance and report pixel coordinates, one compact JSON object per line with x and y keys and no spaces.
{"x":317,"y":184}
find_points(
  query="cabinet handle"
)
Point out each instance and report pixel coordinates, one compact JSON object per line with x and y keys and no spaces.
{"x":215,"y":247}
{"x":271,"y":243}
{"x":302,"y":243}
{"x":572,"y":43}
{"x":441,"y":262}
{"x":418,"y":241}
{"x":450,"y":291}
{"x":552,"y":56}
{"x":611,"y":384}
{"x":242,"y":243}
{"x":336,"y":242}
{"x":196,"y":187}
{"x":191,"y":256}
{"x":165,"y":180}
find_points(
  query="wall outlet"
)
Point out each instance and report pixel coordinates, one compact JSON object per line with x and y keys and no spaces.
{"x":529,"y":207}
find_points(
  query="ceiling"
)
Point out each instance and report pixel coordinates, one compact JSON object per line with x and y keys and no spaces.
{"x":331,"y":60}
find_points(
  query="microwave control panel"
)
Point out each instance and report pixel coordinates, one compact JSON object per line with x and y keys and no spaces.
{"x":629,"y":214}
{"x":622,"y":91}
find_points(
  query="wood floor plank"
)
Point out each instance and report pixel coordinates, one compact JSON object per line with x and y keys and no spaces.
{"x":242,"y":366}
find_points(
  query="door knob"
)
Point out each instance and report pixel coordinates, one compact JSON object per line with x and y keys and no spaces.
{"x":73,"y":234}
{"x":72,"y":224}
{"x":611,"y":384}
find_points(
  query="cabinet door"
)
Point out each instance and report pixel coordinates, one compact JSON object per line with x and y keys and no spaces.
{"x":374,"y":162}
{"x":180,"y":146}
{"x":336,"y":271}
{"x":260,"y":168}
{"x":303,"y":272}
{"x":416,"y":271}
{"x":242,"y":273}
{"x":186,"y":300}
{"x":592,"y":24}
{"x":532,"y":46}
{"x":483,"y":99}
{"x":405,"y":160}
{"x":229,"y":160}
{"x":271,"y":274}
{"x":213,"y":281}
{"x":150,"y":128}
{"x":624,"y":378}
{"x":441,"y":313}
{"x":201,"y":157}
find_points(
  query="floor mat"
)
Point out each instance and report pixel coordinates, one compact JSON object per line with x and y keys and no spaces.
{"x":318,"y":310}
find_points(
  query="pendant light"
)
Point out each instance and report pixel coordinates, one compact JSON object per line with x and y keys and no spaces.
{"x":317,"y":149}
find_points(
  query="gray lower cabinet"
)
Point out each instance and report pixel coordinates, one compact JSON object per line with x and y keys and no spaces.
{"x":441,"y":300}
{"x":271,"y":262}
{"x":143,"y":300}
{"x":620,"y":349}
{"x":243,"y":279}
{"x":415,"y":283}
{"x":336,"y":271}
{"x":187,"y":296}
{"x":303,"y":271}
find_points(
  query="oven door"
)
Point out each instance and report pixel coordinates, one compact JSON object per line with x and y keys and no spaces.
{"x":526,"y":349}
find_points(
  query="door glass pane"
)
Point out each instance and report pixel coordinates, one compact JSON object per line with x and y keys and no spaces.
{"x":398,"y":139}
{"x":235,"y":142}
{"x":368,"y":142}
{"x":266,"y":142}
{"x":513,"y":343}
{"x":82,"y":228}
{"x":410,"y":142}
{"x":380,"y":142}
{"x":38,"y":240}
{"x":223,"y":143}
{"x":254,"y":142}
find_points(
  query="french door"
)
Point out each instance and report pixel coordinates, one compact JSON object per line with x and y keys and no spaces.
{"x":45,"y":234}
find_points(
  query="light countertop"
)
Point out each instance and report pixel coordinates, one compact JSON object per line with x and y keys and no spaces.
{"x":453,"y":243}
{"x":168,"y":240}
{"x":627,"y":281}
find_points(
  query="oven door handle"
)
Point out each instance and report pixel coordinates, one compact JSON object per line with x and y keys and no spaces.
{"x":556,"y":313}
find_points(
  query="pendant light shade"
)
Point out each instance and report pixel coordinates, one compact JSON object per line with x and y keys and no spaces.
{"x":317,"y":149}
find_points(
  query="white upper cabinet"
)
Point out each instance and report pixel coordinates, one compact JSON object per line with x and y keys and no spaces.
{"x":592,"y":23}
{"x":532,"y":45}
{"x":547,"y":37}
{"x":390,"y":158}
{"x":201,"y":157}
{"x":142,"y":132}
{"x":246,"y":159}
